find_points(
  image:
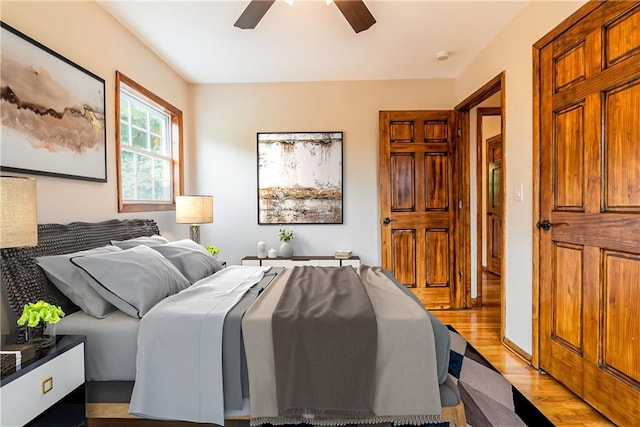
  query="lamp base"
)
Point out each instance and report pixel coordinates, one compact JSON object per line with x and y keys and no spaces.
{"x":194,"y":230}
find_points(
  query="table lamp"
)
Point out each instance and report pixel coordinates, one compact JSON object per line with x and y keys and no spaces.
{"x":18,"y":225}
{"x":194,"y":210}
{"x":18,"y":212}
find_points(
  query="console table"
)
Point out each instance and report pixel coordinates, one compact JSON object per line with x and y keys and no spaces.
{"x":318,"y":261}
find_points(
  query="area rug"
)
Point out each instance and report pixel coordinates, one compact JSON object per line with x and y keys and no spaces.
{"x":489,"y":398}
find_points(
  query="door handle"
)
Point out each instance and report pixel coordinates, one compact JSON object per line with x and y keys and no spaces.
{"x":546,"y":225}
{"x":386,"y":221}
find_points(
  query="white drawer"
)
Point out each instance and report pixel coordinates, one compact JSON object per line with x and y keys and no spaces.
{"x":314,"y":262}
{"x":23,"y":400}
{"x":352,"y":262}
{"x":251,"y":262}
{"x":272,"y":262}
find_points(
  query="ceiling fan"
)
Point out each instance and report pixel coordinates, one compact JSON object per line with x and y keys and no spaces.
{"x":354,"y":11}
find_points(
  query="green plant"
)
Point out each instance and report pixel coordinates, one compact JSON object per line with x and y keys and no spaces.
{"x":213,"y":250}
{"x":285,"y":235}
{"x":40,"y":312}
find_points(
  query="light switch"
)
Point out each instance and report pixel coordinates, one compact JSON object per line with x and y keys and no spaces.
{"x":519,"y":192}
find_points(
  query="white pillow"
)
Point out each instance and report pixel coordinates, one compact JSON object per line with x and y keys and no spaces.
{"x":69,"y":280}
{"x":144,"y":240}
{"x":134,"y":280}
{"x":192,"y":259}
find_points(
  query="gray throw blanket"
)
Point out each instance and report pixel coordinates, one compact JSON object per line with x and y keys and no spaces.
{"x":322,"y":312}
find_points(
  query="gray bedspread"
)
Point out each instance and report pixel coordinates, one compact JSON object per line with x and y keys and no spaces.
{"x":406,"y":383}
{"x":179,"y":362}
{"x":322,"y":312}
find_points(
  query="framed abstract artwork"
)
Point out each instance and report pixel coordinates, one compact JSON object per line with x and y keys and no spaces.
{"x":300,"y":178}
{"x":53,"y":112}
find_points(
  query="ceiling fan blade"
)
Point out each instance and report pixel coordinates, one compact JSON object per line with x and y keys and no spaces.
{"x":253,"y":14}
{"x":356,"y":14}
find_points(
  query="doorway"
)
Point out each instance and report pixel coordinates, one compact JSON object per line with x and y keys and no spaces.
{"x":489,"y":101}
{"x":489,"y":195}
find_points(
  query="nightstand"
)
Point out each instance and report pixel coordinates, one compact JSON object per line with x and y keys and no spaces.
{"x":31,"y":392}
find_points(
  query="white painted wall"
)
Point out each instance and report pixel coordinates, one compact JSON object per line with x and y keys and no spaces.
{"x":230,"y":115}
{"x":511,"y":51}
{"x":87,"y":35}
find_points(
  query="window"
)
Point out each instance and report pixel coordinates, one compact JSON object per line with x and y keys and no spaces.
{"x":149,"y":149}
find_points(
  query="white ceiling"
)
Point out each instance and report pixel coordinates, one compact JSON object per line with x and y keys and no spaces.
{"x":311,"y":41}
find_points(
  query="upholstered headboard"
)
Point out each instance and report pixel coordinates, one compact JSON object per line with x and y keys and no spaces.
{"x":23,"y":281}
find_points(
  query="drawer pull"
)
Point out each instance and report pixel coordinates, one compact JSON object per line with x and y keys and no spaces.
{"x":47,"y":385}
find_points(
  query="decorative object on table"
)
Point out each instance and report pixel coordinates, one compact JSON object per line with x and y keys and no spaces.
{"x":40,"y":319}
{"x":61,"y":135}
{"x":18,"y":212}
{"x":194,"y":210}
{"x":286,"y":248}
{"x":300,"y":178}
{"x":14,"y":357}
{"x":213,"y":250}
{"x":273,"y":253}
{"x":262,"y":249}
{"x":343,"y":254}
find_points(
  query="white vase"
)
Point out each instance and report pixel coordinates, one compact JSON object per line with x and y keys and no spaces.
{"x":262,"y":249}
{"x":286,"y":250}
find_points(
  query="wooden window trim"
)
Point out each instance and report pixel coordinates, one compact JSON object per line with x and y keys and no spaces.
{"x":177,"y":146}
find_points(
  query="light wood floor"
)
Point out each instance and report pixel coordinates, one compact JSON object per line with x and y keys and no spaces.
{"x":480,"y":326}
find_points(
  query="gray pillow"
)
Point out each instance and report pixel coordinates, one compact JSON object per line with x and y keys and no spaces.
{"x":134,"y":280}
{"x":192,"y":259}
{"x":144,"y":240}
{"x":69,"y":280}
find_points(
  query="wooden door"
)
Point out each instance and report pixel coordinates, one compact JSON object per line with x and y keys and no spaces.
{"x":590,"y":209}
{"x":417,"y":200}
{"x":494,"y":204}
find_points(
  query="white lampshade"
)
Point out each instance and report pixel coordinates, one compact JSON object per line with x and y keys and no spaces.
{"x":194,"y":209}
{"x":18,"y":212}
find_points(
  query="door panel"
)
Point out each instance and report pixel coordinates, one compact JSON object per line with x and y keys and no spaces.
{"x":569,"y":158}
{"x":403,"y":244}
{"x":494,"y":204}
{"x":590,"y":193}
{"x":416,"y":193}
{"x":621,"y":334}
{"x":567,"y":296}
{"x":437,"y":181}
{"x":622,"y":121}
{"x":403,"y":183}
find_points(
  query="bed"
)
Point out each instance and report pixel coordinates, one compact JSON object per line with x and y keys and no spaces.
{"x":112,"y":342}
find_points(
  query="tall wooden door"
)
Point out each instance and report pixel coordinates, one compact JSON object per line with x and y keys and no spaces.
{"x":494,"y":204}
{"x":590,"y":209}
{"x":417,"y":186}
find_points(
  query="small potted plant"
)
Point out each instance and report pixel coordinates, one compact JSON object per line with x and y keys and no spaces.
{"x":38,"y":316}
{"x":286,"y":248}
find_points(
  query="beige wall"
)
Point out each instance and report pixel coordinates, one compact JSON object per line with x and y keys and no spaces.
{"x":511,"y":51}
{"x":221,"y":153}
{"x":229,"y":116}
{"x":86,"y":34}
